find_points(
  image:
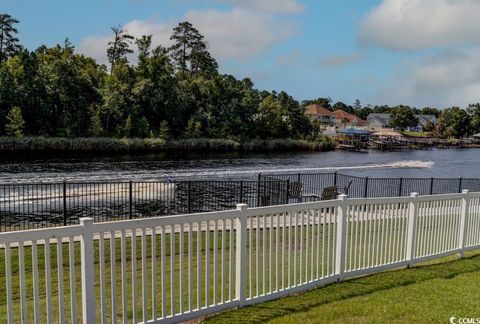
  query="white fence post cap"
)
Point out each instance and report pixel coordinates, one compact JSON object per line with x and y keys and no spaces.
{"x":242,"y":207}
{"x":86,"y":220}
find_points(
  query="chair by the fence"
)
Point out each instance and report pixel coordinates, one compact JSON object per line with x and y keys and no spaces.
{"x":296,"y":193}
{"x":332,"y":192}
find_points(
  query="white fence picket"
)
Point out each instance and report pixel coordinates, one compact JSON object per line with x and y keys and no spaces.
{"x":204,"y":263}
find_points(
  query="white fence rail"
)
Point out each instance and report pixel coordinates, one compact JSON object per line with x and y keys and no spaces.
{"x":176,"y":268}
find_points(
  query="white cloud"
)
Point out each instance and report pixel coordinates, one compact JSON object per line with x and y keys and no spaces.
{"x":451,"y":78}
{"x":233,"y":34}
{"x":417,"y":24}
{"x":272,"y":6}
{"x":339,"y":60}
{"x":239,"y":33}
{"x":96,"y":46}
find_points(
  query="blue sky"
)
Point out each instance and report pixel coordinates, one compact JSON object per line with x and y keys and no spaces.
{"x":417,"y":52}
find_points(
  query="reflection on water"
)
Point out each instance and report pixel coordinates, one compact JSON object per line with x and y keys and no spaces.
{"x":53,"y":168}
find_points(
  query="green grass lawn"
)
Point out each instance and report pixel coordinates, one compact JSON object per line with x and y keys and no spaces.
{"x":426,"y":293}
{"x":417,"y":134}
{"x":266,"y":278}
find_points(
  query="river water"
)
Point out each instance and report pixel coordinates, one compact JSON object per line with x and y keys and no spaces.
{"x":441,"y":163}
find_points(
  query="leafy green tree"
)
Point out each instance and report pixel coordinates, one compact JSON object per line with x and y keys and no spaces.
{"x":357,"y":105}
{"x":143,"y":45}
{"x":189,"y":51}
{"x":324,"y":102}
{"x":8,"y":42}
{"x":164,"y":131}
{"x":96,"y":127}
{"x":128,"y":127}
{"x":453,"y":122}
{"x":430,"y":111}
{"x":119,"y":47}
{"x":15,"y":122}
{"x":68,"y":89}
{"x":143,"y":128}
{"x":402,"y":117}
{"x":474,"y":112}
{"x":340,"y":105}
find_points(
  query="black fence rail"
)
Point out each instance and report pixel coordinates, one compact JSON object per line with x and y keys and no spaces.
{"x":26,"y":206}
{"x":315,"y":185}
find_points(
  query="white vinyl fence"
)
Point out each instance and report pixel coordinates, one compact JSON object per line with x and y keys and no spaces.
{"x":171,"y":269}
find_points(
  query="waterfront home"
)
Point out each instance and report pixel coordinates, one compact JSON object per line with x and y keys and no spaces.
{"x":318,"y":112}
{"x":344,"y":119}
{"x":424,"y":122}
{"x":378,"y":121}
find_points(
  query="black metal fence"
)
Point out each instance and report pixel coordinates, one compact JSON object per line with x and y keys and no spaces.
{"x":313,"y":184}
{"x":26,"y":206}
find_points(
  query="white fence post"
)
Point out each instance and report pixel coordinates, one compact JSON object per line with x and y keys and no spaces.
{"x":462,"y":230}
{"x":241,"y":255}
{"x":412,"y":225}
{"x":341,"y":236}
{"x":87,"y":269}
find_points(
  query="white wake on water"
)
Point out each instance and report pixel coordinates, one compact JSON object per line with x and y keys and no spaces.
{"x":162,"y":174}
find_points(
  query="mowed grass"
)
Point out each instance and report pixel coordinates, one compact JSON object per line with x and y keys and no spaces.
{"x":263,"y":281}
{"x":427,"y":293}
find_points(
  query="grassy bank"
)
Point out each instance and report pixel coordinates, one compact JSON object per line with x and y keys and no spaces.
{"x":148,"y":145}
{"x":426,"y":293}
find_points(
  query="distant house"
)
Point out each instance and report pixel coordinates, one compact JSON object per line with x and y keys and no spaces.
{"x":343,"y":119}
{"x":317,"y":112}
{"x":383,"y":121}
{"x":378,"y":120}
{"x":424,"y":121}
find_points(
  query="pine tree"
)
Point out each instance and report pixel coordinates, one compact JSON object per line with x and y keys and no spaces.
{"x":189,"y":51}
{"x":15,"y":122}
{"x":164,"y":130}
{"x":119,"y":47}
{"x":8,"y":41}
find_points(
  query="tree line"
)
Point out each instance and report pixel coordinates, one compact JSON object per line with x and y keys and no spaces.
{"x":170,"y":92}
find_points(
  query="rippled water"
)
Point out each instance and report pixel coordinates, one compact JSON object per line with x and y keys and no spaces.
{"x":431,"y":163}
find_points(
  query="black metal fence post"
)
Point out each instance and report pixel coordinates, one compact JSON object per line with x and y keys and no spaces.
{"x":287,"y":198}
{"x":189,"y":197}
{"x":130,"y":199}
{"x":431,"y":186}
{"x":64,"y":203}
{"x":241,"y":191}
{"x":400,"y":187}
{"x":299,"y":178}
{"x":335,"y":178}
{"x":366,"y":188}
{"x":258,"y":190}
{"x":460,"y":185}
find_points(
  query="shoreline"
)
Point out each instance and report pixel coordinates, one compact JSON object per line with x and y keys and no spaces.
{"x":14,"y":145}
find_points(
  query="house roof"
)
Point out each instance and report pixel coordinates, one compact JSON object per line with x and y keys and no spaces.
{"x":425,"y":119}
{"x":318,"y":110}
{"x":341,"y":115}
{"x":382,"y":119}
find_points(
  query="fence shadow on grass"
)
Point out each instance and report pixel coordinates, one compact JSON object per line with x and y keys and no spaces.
{"x":356,"y":287}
